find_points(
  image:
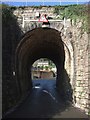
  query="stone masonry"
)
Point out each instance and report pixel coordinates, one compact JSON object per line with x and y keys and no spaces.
{"x":77,"y":51}
{"x":77,"y":56}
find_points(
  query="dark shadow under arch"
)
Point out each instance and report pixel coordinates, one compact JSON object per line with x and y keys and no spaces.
{"x":35,"y":44}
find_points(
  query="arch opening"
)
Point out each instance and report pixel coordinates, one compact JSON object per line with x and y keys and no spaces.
{"x":43,"y":68}
{"x":35,"y":44}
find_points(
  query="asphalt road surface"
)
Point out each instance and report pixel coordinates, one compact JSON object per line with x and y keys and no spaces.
{"x":45,"y":102}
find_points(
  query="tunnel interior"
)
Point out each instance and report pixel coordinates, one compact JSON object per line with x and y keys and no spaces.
{"x":35,"y":44}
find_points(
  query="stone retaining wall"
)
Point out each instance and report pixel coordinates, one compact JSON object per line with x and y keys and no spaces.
{"x":42,"y":74}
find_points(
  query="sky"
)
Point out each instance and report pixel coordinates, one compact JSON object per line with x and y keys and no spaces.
{"x":42,"y":2}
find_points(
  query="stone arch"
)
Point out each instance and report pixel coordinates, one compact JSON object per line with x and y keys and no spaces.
{"x":59,"y":26}
{"x":35,"y":44}
{"x":67,"y":60}
{"x":69,"y":49}
{"x":32,"y":25}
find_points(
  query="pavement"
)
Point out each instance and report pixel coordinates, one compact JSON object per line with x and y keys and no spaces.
{"x":45,"y":102}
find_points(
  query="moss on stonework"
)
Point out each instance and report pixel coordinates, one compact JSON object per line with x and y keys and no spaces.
{"x":89,"y":112}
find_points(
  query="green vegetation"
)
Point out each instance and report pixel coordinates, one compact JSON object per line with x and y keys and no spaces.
{"x":59,"y":9}
{"x":71,"y":11}
{"x":48,"y":67}
{"x":74,"y":12}
{"x":50,"y":62}
{"x":89,"y":112}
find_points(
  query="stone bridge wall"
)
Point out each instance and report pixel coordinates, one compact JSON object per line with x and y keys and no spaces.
{"x":77,"y":63}
{"x":76,"y":52}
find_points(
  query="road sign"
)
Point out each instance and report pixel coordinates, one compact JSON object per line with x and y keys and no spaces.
{"x":43,"y":18}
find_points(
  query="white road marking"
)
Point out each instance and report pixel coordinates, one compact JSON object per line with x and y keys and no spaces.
{"x":50,"y":95}
{"x":36,"y":87}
